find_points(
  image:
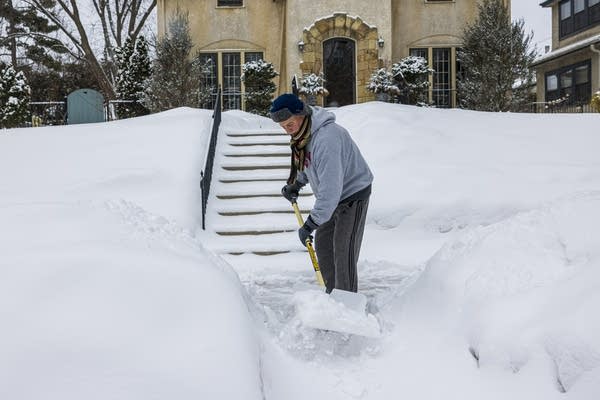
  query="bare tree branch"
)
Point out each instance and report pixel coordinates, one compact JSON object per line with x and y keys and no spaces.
{"x":118,"y":18}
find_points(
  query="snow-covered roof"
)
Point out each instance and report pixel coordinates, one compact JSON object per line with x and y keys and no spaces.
{"x":567,"y":49}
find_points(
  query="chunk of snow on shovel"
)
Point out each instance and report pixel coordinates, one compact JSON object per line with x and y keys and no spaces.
{"x":340,"y":311}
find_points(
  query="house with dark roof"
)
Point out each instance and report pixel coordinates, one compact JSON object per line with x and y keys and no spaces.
{"x":569,"y":75}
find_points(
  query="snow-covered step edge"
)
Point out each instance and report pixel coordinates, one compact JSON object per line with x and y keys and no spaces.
{"x":257,"y":140}
{"x":279,"y":175}
{"x":274,"y":162}
{"x":259,"y":204}
{"x":252,"y":132}
{"x":256,"y":151}
{"x":277,"y":242}
{"x":254,"y":188}
{"x":256,"y":222}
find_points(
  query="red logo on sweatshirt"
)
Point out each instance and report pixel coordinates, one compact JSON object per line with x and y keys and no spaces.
{"x":307,"y":160}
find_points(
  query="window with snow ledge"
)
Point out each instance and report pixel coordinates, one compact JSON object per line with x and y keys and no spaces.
{"x":230,"y":3}
{"x":577,"y":15}
{"x":570,"y":84}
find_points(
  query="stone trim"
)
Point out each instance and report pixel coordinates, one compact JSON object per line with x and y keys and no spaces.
{"x":343,"y":25}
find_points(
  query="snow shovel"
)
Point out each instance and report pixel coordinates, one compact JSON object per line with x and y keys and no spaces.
{"x":341,"y":311}
{"x":309,"y":246}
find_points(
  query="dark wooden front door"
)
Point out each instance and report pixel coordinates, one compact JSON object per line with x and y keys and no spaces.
{"x":340,"y":71}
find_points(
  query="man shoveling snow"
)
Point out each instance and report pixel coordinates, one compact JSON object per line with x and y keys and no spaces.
{"x":324,"y":155}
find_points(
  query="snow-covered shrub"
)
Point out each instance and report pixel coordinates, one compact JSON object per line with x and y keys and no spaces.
{"x":133,"y":72}
{"x":258,"y":79}
{"x":595,"y":103}
{"x":411,"y":74}
{"x":14,"y":98}
{"x":313,"y":84}
{"x":382,"y":81}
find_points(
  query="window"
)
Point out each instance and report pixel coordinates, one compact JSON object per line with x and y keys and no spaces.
{"x":441,"y":77}
{"x":594,"y":9}
{"x":571,"y":83}
{"x":578,"y":15}
{"x":253,"y":56}
{"x":224,"y":69}
{"x":209,"y":79}
{"x":230,"y":3}
{"x":421,"y":53}
{"x":232,"y":84}
{"x":565,"y":10}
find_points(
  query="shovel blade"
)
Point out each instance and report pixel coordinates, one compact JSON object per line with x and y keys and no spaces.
{"x":342,"y":311}
{"x":356,"y":302}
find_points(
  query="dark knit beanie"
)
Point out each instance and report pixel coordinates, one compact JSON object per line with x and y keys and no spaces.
{"x":286,"y":106}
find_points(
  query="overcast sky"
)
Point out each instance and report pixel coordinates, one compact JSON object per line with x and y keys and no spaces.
{"x":537,"y":19}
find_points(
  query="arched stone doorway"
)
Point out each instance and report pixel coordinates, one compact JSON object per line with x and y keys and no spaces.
{"x":340,"y":27}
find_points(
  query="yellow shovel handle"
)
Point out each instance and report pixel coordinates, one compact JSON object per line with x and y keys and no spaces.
{"x":309,"y":246}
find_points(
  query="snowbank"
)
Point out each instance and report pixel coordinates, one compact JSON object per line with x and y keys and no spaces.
{"x":104,"y":291}
{"x":524,"y":290}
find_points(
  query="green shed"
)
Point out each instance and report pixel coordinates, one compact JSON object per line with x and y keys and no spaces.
{"x":85,"y":106}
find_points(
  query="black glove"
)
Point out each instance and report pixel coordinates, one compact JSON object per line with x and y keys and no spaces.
{"x":291,"y":192}
{"x":305,"y":231}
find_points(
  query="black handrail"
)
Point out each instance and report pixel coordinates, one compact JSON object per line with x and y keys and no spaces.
{"x":295,"y":88}
{"x":206,"y":174}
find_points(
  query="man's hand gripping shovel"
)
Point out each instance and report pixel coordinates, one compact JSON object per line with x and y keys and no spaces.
{"x":341,"y":311}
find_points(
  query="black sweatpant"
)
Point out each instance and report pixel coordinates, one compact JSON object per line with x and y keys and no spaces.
{"x":337,"y":243}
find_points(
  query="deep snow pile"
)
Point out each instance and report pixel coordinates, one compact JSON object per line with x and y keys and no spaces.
{"x":104,"y":292}
{"x":483,"y":226}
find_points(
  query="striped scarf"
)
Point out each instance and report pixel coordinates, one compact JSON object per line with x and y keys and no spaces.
{"x":297,"y":143}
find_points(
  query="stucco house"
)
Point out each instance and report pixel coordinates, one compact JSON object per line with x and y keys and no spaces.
{"x":570,"y":73}
{"x":346,"y":40}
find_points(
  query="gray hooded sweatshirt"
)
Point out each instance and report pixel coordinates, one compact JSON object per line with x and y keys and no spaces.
{"x":333,"y":165}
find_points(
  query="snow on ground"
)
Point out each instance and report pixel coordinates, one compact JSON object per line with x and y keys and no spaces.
{"x":104,"y":291}
{"x":480,"y":259}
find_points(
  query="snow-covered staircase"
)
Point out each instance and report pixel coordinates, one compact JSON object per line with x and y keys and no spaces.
{"x":246,"y":210}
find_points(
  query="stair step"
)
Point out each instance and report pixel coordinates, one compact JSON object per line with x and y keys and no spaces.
{"x":251,"y":233}
{"x":261,"y":253}
{"x":265,"y":204}
{"x":256,"y":162}
{"x":255,"y":148}
{"x":258,"y":140}
{"x":241,"y":213}
{"x":266,"y":222}
{"x":241,"y":145}
{"x":255,"y":132}
{"x":259,"y":175}
{"x":276,"y":242}
{"x":273,"y":154}
{"x":253,"y":188}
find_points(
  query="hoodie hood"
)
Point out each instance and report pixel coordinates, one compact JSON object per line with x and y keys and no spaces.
{"x":320,"y":117}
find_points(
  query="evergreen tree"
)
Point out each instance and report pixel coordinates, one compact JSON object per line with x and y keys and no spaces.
{"x":14,"y":98}
{"x":175,"y":74}
{"x":495,"y":58}
{"x":28,"y":39}
{"x":258,"y":78}
{"x":133,"y":70}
